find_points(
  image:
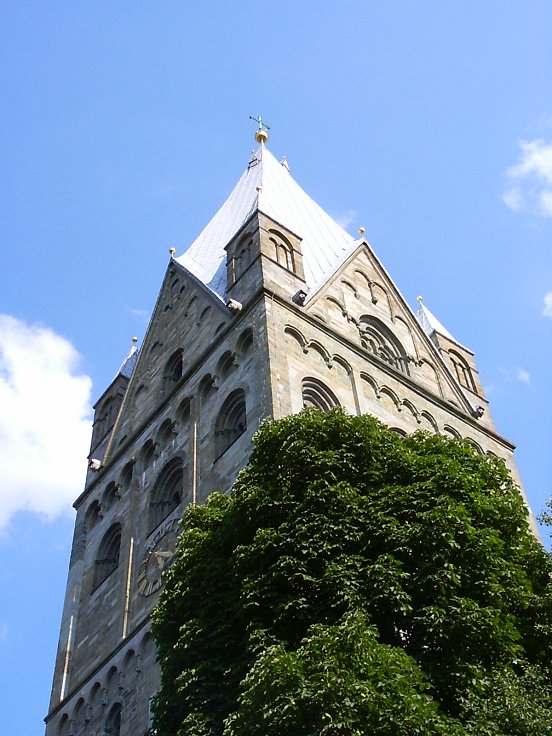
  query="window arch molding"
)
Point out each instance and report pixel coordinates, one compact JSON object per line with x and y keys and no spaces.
{"x":283,"y":250}
{"x":63,"y":725}
{"x":111,"y":495}
{"x":112,"y":725}
{"x":107,"y":556}
{"x":172,"y":373}
{"x":317,"y":395}
{"x":376,"y":337}
{"x":462,"y":370}
{"x":231,"y":421}
{"x":167,"y":492}
{"x":245,"y":342}
{"x":93,"y":515}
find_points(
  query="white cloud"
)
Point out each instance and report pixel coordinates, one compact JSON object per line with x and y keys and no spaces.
{"x":44,"y":420}
{"x":547,"y":309}
{"x":531,"y":179}
{"x":513,"y":199}
{"x":545,"y":202}
{"x":523,"y":376}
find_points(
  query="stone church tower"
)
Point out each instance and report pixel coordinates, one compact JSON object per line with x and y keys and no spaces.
{"x":273,"y":307}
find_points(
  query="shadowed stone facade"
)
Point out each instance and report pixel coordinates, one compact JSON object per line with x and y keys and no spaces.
{"x":261,"y":335}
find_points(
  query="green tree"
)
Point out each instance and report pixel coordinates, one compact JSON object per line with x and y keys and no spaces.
{"x":545,"y":517}
{"x":357,"y":582}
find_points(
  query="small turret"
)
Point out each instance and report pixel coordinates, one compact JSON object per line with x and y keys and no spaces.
{"x":458,"y":358}
{"x":106,"y":408}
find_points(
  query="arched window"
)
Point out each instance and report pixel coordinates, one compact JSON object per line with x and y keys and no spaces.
{"x":241,"y":258}
{"x":93,"y":515}
{"x":317,"y":395}
{"x":63,"y":725}
{"x":207,"y":386}
{"x":227,"y":363}
{"x":78,"y":711}
{"x":462,"y":370}
{"x":108,"y":413}
{"x":283,"y":250}
{"x":111,"y":495}
{"x":173,"y":371}
{"x":231,"y":421}
{"x":107,"y":559}
{"x":245,"y":341}
{"x":95,"y":695}
{"x":183,"y":412}
{"x":244,"y":253}
{"x":167,"y":432}
{"x":129,"y":665}
{"x":125,"y":479}
{"x":113,"y":721}
{"x":167,"y":492}
{"x":148,"y":455}
{"x":380,"y":340}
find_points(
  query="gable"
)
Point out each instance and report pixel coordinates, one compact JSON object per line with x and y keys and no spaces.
{"x":361,"y":302}
{"x":185,"y":320}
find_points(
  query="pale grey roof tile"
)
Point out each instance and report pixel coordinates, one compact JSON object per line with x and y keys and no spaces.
{"x":267,"y":185}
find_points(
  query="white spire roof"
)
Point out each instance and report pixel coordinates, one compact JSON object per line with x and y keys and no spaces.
{"x":128,"y":363}
{"x":267,"y":185}
{"x":431,"y":324}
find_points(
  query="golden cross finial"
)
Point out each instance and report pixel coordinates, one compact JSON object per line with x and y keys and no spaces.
{"x":261,"y":136}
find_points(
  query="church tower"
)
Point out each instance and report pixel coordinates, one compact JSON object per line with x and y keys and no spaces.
{"x":272,"y":308}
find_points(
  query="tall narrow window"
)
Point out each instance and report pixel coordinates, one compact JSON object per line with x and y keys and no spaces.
{"x":207,"y":386}
{"x":231,"y":421}
{"x":173,"y":372}
{"x":283,"y":250}
{"x":462,"y":370}
{"x":113,"y":722}
{"x":317,"y":395}
{"x":93,"y":515}
{"x":245,"y":342}
{"x":107,"y":559}
{"x":239,"y":258}
{"x":167,"y":492}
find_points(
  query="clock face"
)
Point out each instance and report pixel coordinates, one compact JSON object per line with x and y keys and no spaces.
{"x":157,"y":558}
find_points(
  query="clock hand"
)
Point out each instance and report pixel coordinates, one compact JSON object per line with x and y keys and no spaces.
{"x":161,"y":557}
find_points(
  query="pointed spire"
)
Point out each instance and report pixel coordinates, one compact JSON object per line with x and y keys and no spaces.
{"x":127,"y":366}
{"x":267,"y":186}
{"x":430,"y":323}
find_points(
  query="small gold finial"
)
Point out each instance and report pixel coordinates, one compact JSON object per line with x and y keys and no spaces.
{"x":419,"y":299}
{"x":361,"y":230}
{"x":135,"y":339}
{"x":172,"y":251}
{"x":261,"y":134}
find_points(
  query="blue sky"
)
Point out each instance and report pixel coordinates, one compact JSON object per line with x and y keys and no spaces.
{"x":124,"y":127}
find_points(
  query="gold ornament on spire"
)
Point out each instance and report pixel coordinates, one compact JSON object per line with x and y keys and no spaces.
{"x":172,"y":251}
{"x":261,"y":134}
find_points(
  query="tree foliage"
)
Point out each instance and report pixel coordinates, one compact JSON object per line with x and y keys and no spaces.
{"x":357,"y":582}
